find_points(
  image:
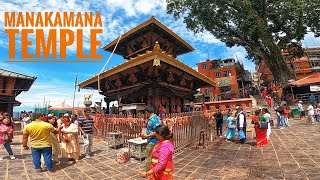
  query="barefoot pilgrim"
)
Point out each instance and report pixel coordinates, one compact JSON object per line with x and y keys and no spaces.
{"x":48,"y":28}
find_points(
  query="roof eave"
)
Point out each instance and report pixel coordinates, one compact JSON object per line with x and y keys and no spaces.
{"x":140,"y":26}
{"x":144,"y":58}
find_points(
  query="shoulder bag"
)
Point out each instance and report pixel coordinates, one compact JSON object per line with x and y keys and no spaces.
{"x":262,"y":125}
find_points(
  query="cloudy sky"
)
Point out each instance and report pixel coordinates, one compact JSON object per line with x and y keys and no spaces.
{"x":55,"y":81}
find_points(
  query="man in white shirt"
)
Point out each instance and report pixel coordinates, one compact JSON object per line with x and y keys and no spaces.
{"x":241,"y":122}
{"x":267,"y":115}
{"x":310,"y":113}
{"x":25,"y":121}
{"x":301,"y":109}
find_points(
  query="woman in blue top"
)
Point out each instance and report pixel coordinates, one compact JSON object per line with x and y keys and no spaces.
{"x":232,"y":124}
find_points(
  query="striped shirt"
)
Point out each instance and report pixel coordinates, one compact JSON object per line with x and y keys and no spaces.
{"x":86,"y":124}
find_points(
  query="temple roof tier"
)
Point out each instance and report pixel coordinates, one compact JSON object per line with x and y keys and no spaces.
{"x":143,"y":37}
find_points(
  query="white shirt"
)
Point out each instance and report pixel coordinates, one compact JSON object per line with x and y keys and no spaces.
{"x":300,"y":106}
{"x":26,"y":119}
{"x":241,"y":119}
{"x":310,"y":110}
{"x":267,"y":116}
{"x":59,"y":122}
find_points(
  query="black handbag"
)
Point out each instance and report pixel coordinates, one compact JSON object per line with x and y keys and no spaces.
{"x":262,"y":125}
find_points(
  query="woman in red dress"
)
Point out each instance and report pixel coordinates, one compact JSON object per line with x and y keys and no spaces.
{"x":162,"y":165}
{"x":269,"y":99}
{"x":264,"y":93}
{"x":261,"y":134}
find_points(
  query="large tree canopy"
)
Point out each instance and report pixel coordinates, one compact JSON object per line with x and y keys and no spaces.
{"x":263,"y":27}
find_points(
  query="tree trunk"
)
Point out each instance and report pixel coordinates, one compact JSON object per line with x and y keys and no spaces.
{"x":278,"y":67}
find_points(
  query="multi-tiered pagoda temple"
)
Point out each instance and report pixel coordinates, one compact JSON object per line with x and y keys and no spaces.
{"x":151,"y":73}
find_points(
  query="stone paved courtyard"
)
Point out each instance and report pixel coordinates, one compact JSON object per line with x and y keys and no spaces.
{"x":293,"y":153}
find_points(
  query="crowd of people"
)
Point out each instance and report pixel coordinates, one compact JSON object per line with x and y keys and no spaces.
{"x":237,"y":122}
{"x":50,"y":136}
{"x":312,"y":111}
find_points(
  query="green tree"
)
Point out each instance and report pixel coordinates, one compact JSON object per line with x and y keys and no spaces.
{"x":263,"y":27}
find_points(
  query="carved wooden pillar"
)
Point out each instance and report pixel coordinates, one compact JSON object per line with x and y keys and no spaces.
{"x":108,"y":105}
{"x":170,"y":105}
{"x":10,"y":106}
{"x":150,"y":101}
{"x":154,"y":98}
{"x":182,"y":105}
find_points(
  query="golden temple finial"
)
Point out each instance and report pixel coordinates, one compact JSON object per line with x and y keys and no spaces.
{"x":156,"y":46}
{"x":156,"y":62}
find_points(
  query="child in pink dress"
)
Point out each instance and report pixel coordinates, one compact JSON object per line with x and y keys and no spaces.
{"x":6,"y":130}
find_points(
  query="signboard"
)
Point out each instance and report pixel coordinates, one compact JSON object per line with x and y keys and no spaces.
{"x":129,"y":107}
{"x":315,"y":88}
{"x":224,"y":82}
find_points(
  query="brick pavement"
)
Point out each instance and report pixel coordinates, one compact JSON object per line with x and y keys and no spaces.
{"x":293,"y":153}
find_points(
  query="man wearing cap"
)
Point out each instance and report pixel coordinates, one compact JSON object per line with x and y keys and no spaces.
{"x":86,"y":125}
{"x":301,"y":109}
{"x":310,"y":113}
{"x":241,"y":122}
{"x":40,"y":140}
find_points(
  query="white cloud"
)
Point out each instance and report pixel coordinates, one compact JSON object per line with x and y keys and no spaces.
{"x":112,"y":27}
{"x":17,"y":68}
{"x":114,"y":24}
{"x":179,"y":27}
{"x":137,"y":7}
{"x":239,"y":53}
{"x":40,"y":93}
{"x":53,"y":89}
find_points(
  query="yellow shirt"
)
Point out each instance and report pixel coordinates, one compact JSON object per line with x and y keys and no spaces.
{"x":39,"y":133}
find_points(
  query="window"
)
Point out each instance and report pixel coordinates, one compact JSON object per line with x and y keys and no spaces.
{"x":225,"y":89}
{"x":211,"y":67}
{"x":208,"y":91}
{"x":297,"y":66}
{"x":204,"y":66}
{"x":217,"y":74}
{"x":315,"y":63}
{"x":226,"y":73}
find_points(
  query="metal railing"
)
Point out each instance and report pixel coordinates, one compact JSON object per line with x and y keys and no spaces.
{"x":186,"y":127}
{"x":306,"y":97}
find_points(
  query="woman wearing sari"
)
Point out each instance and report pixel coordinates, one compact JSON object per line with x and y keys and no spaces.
{"x":162,"y":165}
{"x":232,"y":125}
{"x":54,"y":141}
{"x":261,"y":134}
{"x":69,"y":140}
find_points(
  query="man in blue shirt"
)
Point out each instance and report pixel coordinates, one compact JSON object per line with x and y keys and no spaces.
{"x":153,"y":122}
{"x":312,"y":98}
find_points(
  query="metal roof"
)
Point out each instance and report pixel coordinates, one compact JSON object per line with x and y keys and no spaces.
{"x":309,"y":80}
{"x":7,"y":73}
